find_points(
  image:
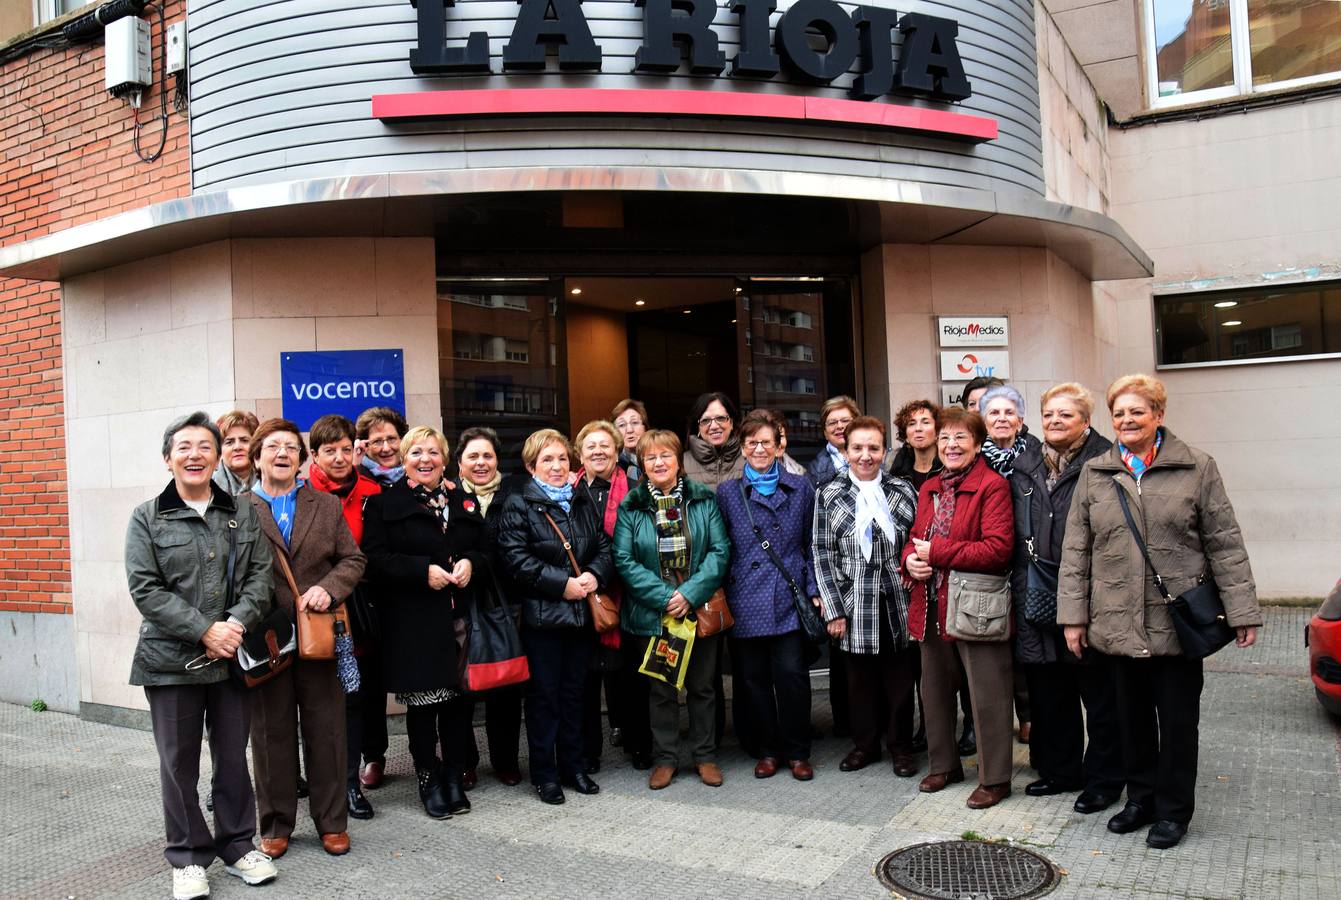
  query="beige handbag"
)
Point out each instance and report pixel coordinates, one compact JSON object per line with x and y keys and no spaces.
{"x":977,"y":606}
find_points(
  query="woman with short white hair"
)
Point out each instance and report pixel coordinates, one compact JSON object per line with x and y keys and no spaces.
{"x":1002,"y":409}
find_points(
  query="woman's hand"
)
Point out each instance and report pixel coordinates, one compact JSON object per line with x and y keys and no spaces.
{"x":438,"y":577}
{"x":677,"y":606}
{"x":1247,"y":635}
{"x":461,"y":573}
{"x":588,"y":582}
{"x":221,"y":640}
{"x":922,"y":549}
{"x":918,"y":568}
{"x":837,"y":628}
{"x":1076,"y":638}
{"x":315,"y":598}
{"x":574,"y":590}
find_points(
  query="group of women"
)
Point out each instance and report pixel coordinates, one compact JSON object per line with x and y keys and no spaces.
{"x":914,"y":563}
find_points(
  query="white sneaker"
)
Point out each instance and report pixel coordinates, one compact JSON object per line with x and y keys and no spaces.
{"x":189,"y":882}
{"x":254,"y":868}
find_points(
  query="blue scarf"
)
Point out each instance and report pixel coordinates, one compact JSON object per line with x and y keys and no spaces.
{"x":764,"y":482}
{"x":839,"y":458}
{"x":384,"y":476}
{"x":281,"y":507}
{"x":560,"y":495}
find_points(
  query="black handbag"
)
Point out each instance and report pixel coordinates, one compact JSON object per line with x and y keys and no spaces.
{"x":811,"y":622}
{"x":1040,"y":591}
{"x":493,"y":652}
{"x":363,"y":614}
{"x":1198,"y":614}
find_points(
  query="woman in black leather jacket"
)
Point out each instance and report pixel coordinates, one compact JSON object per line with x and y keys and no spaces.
{"x":556,"y":626}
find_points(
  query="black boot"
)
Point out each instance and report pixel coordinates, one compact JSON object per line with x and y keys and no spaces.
{"x":359,"y":807}
{"x":968,"y":741}
{"x":457,"y":801}
{"x":431,"y":793}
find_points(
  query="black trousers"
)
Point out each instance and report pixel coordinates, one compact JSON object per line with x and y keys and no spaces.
{"x":372,"y":736}
{"x":1159,"y":709}
{"x":881,"y":695}
{"x":502,"y":728}
{"x":774,"y":692}
{"x":558,"y":660}
{"x":438,"y":725}
{"x":593,"y":736}
{"x":838,"y":706}
{"x":634,"y":690}
{"x":1057,"y":691}
{"x":179,"y":714}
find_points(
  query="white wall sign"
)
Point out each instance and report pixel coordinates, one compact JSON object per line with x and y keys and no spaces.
{"x":973,"y":331}
{"x":952,"y":395}
{"x":964,"y":365}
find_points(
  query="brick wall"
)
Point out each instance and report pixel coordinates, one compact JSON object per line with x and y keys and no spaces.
{"x":66,"y":158}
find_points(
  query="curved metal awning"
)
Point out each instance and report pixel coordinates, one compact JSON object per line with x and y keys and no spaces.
{"x":404,"y":204}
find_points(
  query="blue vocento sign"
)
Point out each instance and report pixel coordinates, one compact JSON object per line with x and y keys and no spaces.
{"x":318,"y":383}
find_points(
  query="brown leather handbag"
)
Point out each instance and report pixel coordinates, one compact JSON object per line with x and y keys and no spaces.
{"x":316,"y":630}
{"x":713,"y":617}
{"x":604,"y":610}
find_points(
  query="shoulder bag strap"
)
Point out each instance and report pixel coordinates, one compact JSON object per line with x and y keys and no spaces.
{"x":282,"y":556}
{"x":577,"y":570}
{"x":232,"y":563}
{"x":1029,"y":524}
{"x":766,"y":544}
{"x":1140,"y":542}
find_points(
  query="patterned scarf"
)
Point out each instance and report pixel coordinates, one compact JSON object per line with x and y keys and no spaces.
{"x":943,"y":519}
{"x":1138,"y":464}
{"x":764,"y":482}
{"x":1057,"y":461}
{"x":672,"y":536}
{"x":282,"y":508}
{"x":384,"y":476}
{"x":1002,"y":459}
{"x":560,"y":495}
{"x":484,"y":491}
{"x":434,"y":500}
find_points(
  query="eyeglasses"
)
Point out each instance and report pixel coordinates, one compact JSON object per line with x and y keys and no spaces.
{"x":838,"y":423}
{"x":385,"y":442}
{"x":707,"y":421}
{"x":628,"y":424}
{"x":659,"y":458}
{"x":268,"y":447}
{"x":759,"y":445}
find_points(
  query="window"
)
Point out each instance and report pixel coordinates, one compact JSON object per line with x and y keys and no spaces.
{"x":1250,"y":325}
{"x":1212,"y":49}
{"x":47,"y":10}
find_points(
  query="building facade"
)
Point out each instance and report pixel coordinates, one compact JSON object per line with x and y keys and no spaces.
{"x":540,"y":208}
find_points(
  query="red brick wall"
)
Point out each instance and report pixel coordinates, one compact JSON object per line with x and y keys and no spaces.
{"x":66,"y":158}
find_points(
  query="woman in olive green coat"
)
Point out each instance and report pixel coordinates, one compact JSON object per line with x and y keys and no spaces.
{"x":667,"y":571}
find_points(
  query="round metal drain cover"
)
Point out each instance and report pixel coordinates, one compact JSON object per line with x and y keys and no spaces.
{"x":967,"y":870}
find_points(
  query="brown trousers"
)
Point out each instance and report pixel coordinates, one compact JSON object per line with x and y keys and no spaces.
{"x":987,"y":666}
{"x":312,"y":688}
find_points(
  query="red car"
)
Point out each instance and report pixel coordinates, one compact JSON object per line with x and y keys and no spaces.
{"x":1323,"y":639}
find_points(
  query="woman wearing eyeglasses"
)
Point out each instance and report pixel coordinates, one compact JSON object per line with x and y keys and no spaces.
{"x":835,"y":415}
{"x":630,"y":418}
{"x":713,"y":452}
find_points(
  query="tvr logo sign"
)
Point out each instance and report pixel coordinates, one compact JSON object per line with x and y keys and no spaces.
{"x":958,"y":365}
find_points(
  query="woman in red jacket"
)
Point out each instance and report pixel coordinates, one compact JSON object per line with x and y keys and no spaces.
{"x":965,"y":524}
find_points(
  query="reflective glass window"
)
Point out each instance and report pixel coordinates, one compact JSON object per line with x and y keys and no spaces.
{"x":1294,"y":38}
{"x":1252,"y":324}
{"x":1192,"y":46}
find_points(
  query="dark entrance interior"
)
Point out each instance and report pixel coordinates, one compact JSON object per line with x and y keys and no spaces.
{"x":674,"y":356}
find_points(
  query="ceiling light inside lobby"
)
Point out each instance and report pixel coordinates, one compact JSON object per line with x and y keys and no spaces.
{"x":1226,"y":304}
{"x":1232,"y":322}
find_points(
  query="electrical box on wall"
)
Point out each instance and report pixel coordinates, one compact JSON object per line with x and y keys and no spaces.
{"x":128,"y":59}
{"x":176,"y":61}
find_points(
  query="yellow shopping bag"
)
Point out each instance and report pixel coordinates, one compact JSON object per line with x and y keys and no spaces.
{"x":667,"y":656}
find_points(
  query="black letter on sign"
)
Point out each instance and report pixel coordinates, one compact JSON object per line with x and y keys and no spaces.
{"x":668,"y":22}
{"x":535,"y":31}
{"x":875,"y":33}
{"x":831,"y":22}
{"x":433,"y":56}
{"x":756,"y":57}
{"x":930,"y":62}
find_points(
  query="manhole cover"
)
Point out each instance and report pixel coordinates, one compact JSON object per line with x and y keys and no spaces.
{"x":967,"y":870}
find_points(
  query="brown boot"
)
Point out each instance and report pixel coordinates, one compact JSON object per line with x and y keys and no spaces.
{"x":711,"y":774}
{"x":985,"y":795}
{"x":660,"y":777}
{"x":937,"y":781}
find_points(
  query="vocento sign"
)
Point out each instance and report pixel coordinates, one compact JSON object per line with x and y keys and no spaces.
{"x":973,"y":331}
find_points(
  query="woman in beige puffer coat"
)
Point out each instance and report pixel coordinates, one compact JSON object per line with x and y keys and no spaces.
{"x":1107,"y":597}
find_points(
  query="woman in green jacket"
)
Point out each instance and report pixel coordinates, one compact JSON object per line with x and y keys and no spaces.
{"x":669,"y":571}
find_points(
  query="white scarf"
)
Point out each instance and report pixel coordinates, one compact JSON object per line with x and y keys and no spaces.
{"x":839,"y":458}
{"x":872,"y":511}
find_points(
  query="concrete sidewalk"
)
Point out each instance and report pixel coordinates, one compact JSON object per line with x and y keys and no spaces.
{"x":81,"y":817}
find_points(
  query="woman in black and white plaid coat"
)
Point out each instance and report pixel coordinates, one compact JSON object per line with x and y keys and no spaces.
{"x":861,"y":522}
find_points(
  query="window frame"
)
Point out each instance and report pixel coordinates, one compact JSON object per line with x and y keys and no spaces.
{"x":1240,"y":57}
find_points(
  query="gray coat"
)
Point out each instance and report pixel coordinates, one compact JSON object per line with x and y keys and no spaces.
{"x":1188,"y":523}
{"x":175,"y":568}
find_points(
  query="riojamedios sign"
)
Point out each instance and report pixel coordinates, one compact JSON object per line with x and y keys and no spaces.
{"x":676,"y":32}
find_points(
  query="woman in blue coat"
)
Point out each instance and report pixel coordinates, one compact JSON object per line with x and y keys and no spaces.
{"x":767,"y":641}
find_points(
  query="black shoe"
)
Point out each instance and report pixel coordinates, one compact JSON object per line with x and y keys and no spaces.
{"x":1046,"y":787}
{"x":919,"y":743}
{"x":1093,"y":802}
{"x":302,"y":787}
{"x":616,"y":737}
{"x":432,"y":794}
{"x":1132,"y":817}
{"x":1165,"y":834}
{"x":550,"y":792}
{"x":457,"y":801}
{"x":582,"y":784}
{"x":642,"y":761}
{"x":968,"y":742}
{"x":359,"y":807}
{"x":592,"y":766}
